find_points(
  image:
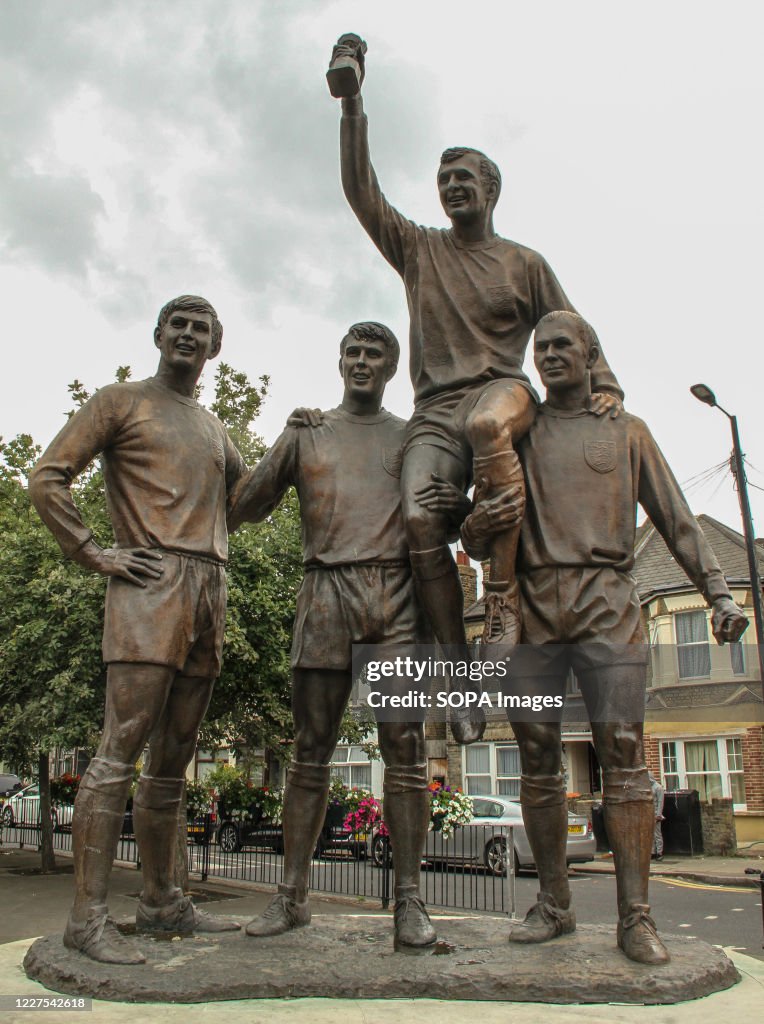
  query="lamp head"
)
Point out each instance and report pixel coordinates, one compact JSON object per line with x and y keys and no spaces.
{"x":704,"y":394}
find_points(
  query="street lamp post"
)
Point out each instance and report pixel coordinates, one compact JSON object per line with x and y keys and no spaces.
{"x":705,"y":394}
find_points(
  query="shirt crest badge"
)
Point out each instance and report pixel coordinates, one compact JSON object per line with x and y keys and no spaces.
{"x":600,"y":455}
{"x":392,"y":460}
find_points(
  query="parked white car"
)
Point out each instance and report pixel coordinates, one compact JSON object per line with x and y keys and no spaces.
{"x":22,"y":810}
{"x":484,"y":841}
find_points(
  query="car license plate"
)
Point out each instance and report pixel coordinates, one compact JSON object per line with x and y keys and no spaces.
{"x":575,"y":830}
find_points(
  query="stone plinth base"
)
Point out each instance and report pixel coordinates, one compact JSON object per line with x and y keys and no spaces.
{"x":352,"y":957}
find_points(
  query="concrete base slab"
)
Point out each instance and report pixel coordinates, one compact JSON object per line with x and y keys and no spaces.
{"x":350,"y":957}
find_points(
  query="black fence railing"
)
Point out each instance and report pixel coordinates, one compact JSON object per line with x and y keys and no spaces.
{"x":470,"y":870}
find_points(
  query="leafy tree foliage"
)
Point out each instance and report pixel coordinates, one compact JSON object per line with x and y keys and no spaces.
{"x":51,"y":617}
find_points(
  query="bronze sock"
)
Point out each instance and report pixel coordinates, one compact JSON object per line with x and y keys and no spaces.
{"x":99,"y":810}
{"x":629,"y":820}
{"x":155,"y":817}
{"x":407,"y":815}
{"x":495,"y":474}
{"x":545,"y":814}
{"x":305,"y":798}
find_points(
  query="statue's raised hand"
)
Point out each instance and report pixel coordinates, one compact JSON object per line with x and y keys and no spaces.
{"x":347,"y":68}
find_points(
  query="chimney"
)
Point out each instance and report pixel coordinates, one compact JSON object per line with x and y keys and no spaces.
{"x":486,"y":567}
{"x":467,"y":578}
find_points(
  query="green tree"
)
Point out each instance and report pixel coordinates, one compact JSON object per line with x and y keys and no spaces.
{"x":51,"y":615}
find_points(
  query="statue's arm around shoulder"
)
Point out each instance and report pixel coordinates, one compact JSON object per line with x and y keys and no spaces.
{"x":548,"y":296}
{"x":259,"y":491}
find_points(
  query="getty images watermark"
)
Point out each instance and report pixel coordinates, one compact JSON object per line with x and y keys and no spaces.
{"x":577,"y":682}
{"x":420,"y":672}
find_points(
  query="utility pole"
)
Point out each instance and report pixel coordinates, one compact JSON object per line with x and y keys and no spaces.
{"x":705,"y":394}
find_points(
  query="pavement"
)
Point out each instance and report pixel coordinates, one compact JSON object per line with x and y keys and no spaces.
{"x":742,"y":870}
{"x":32,"y":905}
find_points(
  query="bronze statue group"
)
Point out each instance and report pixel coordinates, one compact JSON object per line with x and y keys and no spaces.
{"x":556,"y":485}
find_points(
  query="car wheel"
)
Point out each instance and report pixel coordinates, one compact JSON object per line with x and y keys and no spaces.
{"x":8,"y":817}
{"x":380,"y":850}
{"x":228,"y":839}
{"x":495,"y":857}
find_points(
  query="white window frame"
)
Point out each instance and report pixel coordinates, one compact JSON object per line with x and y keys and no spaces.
{"x":693,"y":643}
{"x":724,"y":762}
{"x":337,"y":761}
{"x":493,"y":768}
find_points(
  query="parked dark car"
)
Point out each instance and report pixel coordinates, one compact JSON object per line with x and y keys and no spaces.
{"x":198,"y":828}
{"x":10,"y":784}
{"x":256,"y":831}
{"x":234,"y":834}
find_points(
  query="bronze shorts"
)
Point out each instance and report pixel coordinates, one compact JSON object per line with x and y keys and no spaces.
{"x":591,"y":618}
{"x":353,"y":604}
{"x":441,"y":420}
{"x":177,"y":620}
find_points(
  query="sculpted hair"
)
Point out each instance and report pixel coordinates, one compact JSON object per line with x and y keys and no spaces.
{"x":191,"y":304}
{"x":370,"y":330}
{"x":585,"y":331}
{"x":488,"y":169}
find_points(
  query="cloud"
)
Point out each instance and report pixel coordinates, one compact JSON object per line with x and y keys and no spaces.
{"x":192,"y":133}
{"x":50,"y":220}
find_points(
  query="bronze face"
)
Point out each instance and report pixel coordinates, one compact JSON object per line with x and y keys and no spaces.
{"x":366,"y":367}
{"x":464,"y":195}
{"x":561,"y":355}
{"x":185,"y":341}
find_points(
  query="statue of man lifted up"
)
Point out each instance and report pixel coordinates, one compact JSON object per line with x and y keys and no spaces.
{"x":473,"y":299}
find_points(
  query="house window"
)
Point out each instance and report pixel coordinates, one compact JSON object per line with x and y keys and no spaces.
{"x":477,"y":775}
{"x":492,"y":768}
{"x":207,"y":761}
{"x":508,"y":771}
{"x":351,"y":764}
{"x":669,"y":766}
{"x":714,"y":767}
{"x":692,"y":645}
{"x":735,"y":770}
{"x":701,"y":760}
{"x":737,"y":656}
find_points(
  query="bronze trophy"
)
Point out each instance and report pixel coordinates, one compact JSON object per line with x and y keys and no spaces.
{"x":346,"y":70}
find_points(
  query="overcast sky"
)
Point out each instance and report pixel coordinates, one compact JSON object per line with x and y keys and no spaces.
{"x":152,"y":148}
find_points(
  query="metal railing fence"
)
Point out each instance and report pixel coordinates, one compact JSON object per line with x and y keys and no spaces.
{"x":470,"y":870}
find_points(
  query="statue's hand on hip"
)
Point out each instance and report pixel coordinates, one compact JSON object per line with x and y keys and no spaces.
{"x":131,"y":564}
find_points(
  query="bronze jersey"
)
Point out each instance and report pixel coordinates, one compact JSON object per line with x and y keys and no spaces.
{"x":585,"y":475}
{"x":472,"y":307}
{"x":168,"y":466}
{"x":347,"y":476}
